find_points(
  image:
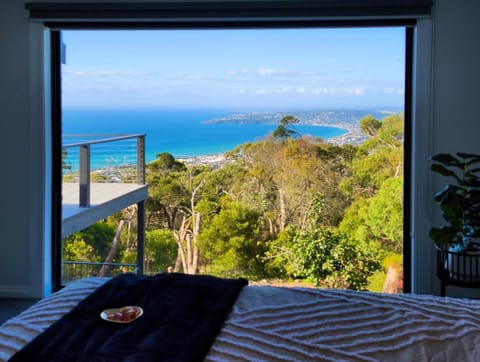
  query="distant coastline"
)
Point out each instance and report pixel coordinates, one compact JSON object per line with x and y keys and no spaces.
{"x":345,"y":119}
{"x":353,"y":136}
{"x":215,"y":161}
{"x":203,"y":136}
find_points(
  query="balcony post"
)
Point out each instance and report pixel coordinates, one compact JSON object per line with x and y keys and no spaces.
{"x":84,"y":176}
{"x":140,"y":236}
{"x":141,"y":159}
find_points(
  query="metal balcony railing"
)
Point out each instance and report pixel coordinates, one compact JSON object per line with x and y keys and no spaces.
{"x":74,"y":270}
{"x":111,"y":154}
{"x":110,"y":173}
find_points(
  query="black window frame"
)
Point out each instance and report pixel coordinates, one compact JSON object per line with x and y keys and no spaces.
{"x":216,"y":16}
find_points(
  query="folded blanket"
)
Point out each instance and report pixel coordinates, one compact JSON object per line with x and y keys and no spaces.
{"x":182,"y":316}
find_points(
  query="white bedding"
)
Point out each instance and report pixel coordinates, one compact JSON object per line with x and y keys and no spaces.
{"x":296,"y":324}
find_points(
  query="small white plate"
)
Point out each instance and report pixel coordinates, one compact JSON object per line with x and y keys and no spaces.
{"x":115,"y":315}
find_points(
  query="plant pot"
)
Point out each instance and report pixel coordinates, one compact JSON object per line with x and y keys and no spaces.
{"x":464,"y":266}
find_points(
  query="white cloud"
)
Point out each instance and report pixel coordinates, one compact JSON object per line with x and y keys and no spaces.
{"x":281,"y":90}
{"x":285,"y":90}
{"x":198,"y":77}
{"x":355,"y":91}
{"x":103,"y":73}
{"x":325,"y":90}
{"x":233,"y":72}
{"x":269,"y":72}
{"x":272,"y":72}
{"x":393,"y":90}
{"x":241,"y":91}
{"x":358,"y":91}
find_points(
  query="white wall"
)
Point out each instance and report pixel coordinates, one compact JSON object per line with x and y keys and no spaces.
{"x":452,"y":125}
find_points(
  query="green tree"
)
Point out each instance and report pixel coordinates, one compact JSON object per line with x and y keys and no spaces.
{"x":160,"y":250}
{"x":333,"y":260}
{"x":76,"y":249}
{"x":90,"y":244}
{"x":379,"y":218}
{"x":376,"y":187}
{"x":377,"y":159}
{"x":369,"y":125}
{"x":284,"y":129}
{"x":279,"y":257}
{"x":164,"y":163}
{"x":231,"y":243}
{"x":384,"y":215}
{"x":282,"y":178}
{"x":166,"y":193}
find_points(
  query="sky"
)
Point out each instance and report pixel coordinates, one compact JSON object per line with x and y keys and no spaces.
{"x":235,"y":69}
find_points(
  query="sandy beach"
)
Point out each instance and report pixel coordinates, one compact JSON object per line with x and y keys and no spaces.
{"x":216,"y":160}
{"x":353,"y":136}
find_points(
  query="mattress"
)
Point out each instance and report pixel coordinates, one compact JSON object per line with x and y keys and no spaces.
{"x":301,"y":324}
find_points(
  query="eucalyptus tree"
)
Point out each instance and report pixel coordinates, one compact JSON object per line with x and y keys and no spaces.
{"x":377,"y":159}
{"x":232,"y":244}
{"x":376,"y":187}
{"x":165,"y":193}
{"x":283,"y":177}
{"x":284,"y":130}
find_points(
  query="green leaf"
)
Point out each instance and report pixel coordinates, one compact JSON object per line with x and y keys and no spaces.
{"x":444,"y":171}
{"x":448,"y":193}
{"x":473,"y":173}
{"x":443,"y":236}
{"x":447,"y":159}
{"x":474,"y":158}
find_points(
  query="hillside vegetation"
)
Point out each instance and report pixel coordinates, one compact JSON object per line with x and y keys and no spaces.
{"x":288,"y":207}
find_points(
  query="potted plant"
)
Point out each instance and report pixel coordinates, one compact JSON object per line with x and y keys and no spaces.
{"x":460,"y":206}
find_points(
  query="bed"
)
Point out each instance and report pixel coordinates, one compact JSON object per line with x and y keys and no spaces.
{"x":269,"y":323}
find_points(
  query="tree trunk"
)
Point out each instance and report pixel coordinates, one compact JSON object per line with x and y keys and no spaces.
{"x":283,"y":212}
{"x":393,"y":281}
{"x":178,"y":263}
{"x":113,"y":250}
{"x":398,"y":169}
{"x":196,"y":232}
{"x":187,"y":245}
{"x":187,"y":237}
{"x":130,"y":213}
{"x":188,"y":262}
{"x":180,"y":237}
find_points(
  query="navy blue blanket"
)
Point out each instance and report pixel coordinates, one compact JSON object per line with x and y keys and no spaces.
{"x":182,"y":316}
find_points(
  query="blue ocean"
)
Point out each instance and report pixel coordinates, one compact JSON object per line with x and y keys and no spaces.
{"x":182,"y":133}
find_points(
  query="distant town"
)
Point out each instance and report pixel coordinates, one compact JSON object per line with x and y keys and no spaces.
{"x":344,"y":118}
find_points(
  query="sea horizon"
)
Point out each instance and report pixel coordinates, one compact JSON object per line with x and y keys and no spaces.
{"x":184,"y":133}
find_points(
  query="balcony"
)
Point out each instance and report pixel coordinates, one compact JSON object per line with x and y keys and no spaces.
{"x":102,"y":175}
{"x":74,"y":270}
